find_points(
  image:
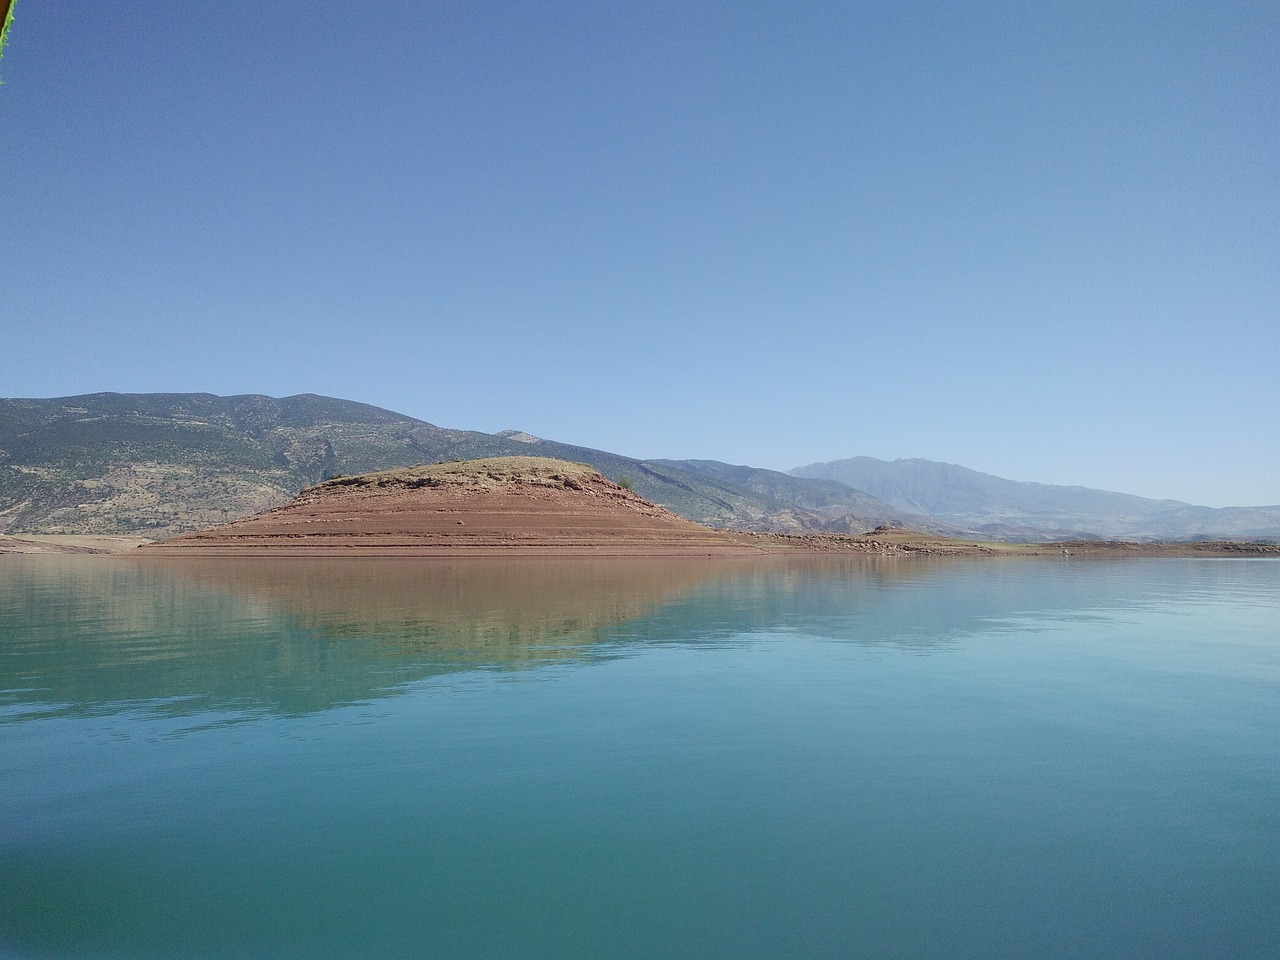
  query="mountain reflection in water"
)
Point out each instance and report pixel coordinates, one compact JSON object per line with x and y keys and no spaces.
{"x":88,"y":635}
{"x":290,"y":637}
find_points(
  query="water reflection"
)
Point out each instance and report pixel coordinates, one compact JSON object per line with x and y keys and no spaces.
{"x":176,"y":637}
{"x":87,"y":635}
{"x":921,"y":605}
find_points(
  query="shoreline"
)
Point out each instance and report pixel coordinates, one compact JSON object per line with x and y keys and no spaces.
{"x":735,"y":544}
{"x":67,"y":544}
{"x":537,"y":507}
{"x":907,"y":543}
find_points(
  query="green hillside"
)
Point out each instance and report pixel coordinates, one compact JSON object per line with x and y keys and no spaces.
{"x":155,"y":465}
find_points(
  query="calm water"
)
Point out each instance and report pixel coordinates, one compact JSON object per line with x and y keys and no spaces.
{"x":639,"y":759}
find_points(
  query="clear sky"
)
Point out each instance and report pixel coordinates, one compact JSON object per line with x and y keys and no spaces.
{"x":1039,"y":240}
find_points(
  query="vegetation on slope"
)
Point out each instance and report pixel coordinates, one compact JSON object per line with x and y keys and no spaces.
{"x":155,"y":465}
{"x":159,"y":464}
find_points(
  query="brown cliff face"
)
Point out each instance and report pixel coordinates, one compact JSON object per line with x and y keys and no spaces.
{"x":501,"y":506}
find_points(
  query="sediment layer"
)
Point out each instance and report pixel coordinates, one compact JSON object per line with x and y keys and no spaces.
{"x":505,"y":506}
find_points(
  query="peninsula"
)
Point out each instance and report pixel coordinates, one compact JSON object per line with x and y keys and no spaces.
{"x":538,"y":506}
{"x":497,"y":506}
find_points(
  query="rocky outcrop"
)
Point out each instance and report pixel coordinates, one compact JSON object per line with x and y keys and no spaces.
{"x":499,"y":506}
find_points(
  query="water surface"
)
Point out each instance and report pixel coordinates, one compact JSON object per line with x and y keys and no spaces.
{"x":639,"y":758}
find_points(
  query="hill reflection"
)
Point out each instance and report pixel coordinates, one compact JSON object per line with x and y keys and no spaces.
{"x":85,"y":636}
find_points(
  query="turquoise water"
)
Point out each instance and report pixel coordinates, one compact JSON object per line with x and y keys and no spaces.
{"x":639,"y":759}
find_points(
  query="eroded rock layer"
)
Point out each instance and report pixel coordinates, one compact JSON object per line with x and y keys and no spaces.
{"x":497,"y":506}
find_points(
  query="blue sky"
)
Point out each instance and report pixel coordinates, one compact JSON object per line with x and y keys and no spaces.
{"x":1039,"y":240}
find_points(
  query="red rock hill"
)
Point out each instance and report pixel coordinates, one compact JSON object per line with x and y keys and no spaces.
{"x":499,"y":506}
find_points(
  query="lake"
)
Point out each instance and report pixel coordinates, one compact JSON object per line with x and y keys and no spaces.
{"x":627,"y":758}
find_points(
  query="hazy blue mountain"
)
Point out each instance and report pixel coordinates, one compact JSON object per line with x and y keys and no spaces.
{"x":992,"y":506}
{"x":699,"y":494}
{"x":846,"y":510}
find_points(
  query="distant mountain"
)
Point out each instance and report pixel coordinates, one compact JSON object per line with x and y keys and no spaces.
{"x":694,"y":493}
{"x":841,"y":509}
{"x":1009,"y":509}
{"x":159,"y":464}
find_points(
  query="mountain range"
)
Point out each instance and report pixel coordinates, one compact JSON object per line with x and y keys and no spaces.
{"x":994,"y":508}
{"x":155,"y":465}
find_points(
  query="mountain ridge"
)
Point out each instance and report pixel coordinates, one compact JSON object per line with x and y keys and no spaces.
{"x":847,"y":510}
{"x":156,"y":465}
{"x":984,"y":504}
